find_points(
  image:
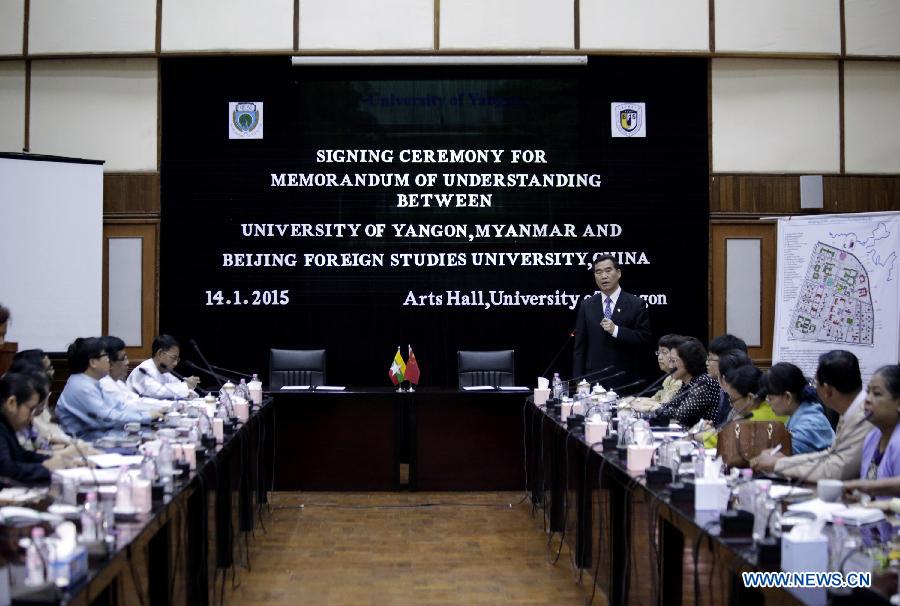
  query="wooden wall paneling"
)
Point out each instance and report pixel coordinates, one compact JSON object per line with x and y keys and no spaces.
{"x":766,"y":232}
{"x":861,"y":193}
{"x":754,"y":194}
{"x":148,"y":231}
{"x":131,"y":194}
{"x":763,"y":195}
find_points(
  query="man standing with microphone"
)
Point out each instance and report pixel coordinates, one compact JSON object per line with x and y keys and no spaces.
{"x":613,"y":326}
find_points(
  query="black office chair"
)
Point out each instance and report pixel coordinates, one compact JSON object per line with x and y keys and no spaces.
{"x":486,"y":367}
{"x":296,"y":367}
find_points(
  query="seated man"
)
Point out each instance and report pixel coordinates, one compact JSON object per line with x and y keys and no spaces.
{"x":839,"y":385}
{"x":153,"y":378}
{"x":114,"y":383}
{"x":717,"y":348}
{"x":84,"y":410}
{"x":18,"y":401}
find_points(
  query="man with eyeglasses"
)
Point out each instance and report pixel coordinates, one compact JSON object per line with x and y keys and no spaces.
{"x":114,"y":383}
{"x":838,"y":384}
{"x":612,"y":327}
{"x":153,"y":378}
{"x":84,"y":409}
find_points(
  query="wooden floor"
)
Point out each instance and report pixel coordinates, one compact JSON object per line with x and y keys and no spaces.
{"x":385,"y":548}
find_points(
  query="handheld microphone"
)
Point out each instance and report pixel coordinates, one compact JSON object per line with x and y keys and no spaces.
{"x":144,"y":372}
{"x":558,"y":353}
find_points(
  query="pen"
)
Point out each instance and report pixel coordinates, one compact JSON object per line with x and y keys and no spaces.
{"x":775,"y":450}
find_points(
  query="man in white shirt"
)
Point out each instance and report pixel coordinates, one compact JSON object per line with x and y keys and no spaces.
{"x":153,"y":378}
{"x":114,"y":382}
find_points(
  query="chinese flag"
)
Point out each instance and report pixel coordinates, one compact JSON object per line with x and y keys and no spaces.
{"x":412,"y":368}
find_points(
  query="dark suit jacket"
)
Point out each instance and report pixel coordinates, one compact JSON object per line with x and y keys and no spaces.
{"x":17,"y":463}
{"x":596,"y":349}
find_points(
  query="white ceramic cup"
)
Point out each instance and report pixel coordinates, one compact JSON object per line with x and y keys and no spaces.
{"x":829,"y":490}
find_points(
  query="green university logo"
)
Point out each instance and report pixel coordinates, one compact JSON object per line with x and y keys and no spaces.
{"x":245,"y":120}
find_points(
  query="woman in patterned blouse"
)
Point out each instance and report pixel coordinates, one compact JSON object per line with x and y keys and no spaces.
{"x":698,"y":397}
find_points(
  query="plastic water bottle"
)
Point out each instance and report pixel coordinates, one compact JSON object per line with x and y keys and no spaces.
{"x":855,"y":557}
{"x":839,"y":546}
{"x":91,"y":519}
{"x":746,"y":491}
{"x":242,"y":390}
{"x":836,"y":544}
{"x":557,"y":386}
{"x":124,"y":489}
{"x":36,"y":558}
{"x":255,"y":386}
{"x":761,"y":512}
{"x":148,"y":469}
{"x":165,"y":465}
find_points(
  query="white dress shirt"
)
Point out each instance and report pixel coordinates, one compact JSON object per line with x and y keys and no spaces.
{"x":156,"y":384}
{"x":615,"y":299}
{"x":113,"y":386}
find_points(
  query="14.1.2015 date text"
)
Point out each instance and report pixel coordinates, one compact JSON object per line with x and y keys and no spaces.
{"x":254,"y":297}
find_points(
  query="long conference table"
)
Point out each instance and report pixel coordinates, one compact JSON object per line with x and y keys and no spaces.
{"x":631,"y":542}
{"x":194,"y":538}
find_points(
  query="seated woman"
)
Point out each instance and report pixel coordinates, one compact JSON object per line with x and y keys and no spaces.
{"x":18,"y":401}
{"x":789,"y":393}
{"x":43,"y":431}
{"x":742,"y":386}
{"x":879,"y":470}
{"x":698,"y":397}
{"x":670,"y":385}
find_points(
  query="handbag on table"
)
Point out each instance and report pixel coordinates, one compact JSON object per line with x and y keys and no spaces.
{"x":740,"y":441}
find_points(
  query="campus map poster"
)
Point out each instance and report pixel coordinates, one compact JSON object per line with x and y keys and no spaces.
{"x":838,"y":288}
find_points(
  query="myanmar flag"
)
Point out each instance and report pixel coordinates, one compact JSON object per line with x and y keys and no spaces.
{"x":397,"y":369}
{"x":412,"y":369}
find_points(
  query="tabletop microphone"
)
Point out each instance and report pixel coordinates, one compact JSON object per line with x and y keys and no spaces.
{"x":203,"y":358}
{"x":720,"y":428}
{"x":558,"y":353}
{"x":621,"y":388}
{"x":592,"y":374}
{"x":215,"y":375}
{"x":144,"y":372}
{"x":231,"y":372}
{"x":655,"y":384}
{"x":202,"y":391}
